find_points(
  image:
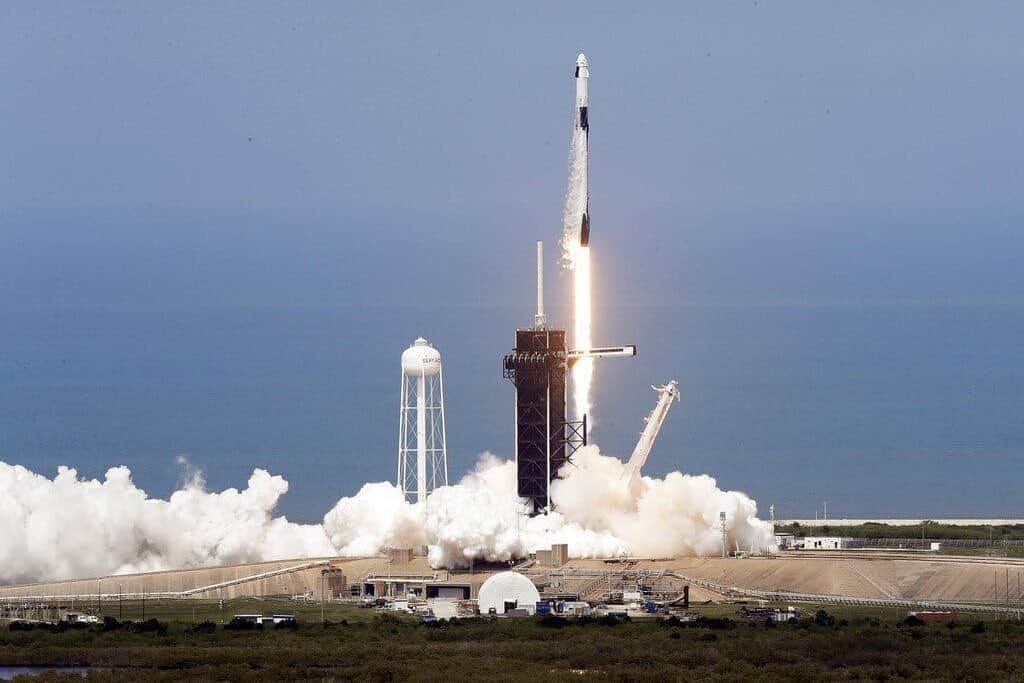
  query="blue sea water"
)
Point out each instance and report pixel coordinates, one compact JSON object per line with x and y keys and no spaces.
{"x":884,"y":409}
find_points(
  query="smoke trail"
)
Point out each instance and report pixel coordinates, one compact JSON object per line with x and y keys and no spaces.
{"x":68,"y":527}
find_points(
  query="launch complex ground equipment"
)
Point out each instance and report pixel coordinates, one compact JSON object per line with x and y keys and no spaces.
{"x":537,"y":366}
{"x":667,"y":394}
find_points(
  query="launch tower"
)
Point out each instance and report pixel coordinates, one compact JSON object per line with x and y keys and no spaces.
{"x":537,"y":366}
{"x":544,"y":438}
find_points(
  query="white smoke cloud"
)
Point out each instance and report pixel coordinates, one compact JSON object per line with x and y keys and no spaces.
{"x":69,"y":527}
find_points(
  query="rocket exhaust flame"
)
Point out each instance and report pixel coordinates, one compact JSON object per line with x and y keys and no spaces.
{"x":582,"y":369}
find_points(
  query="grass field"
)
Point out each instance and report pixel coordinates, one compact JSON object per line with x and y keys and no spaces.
{"x":369,"y":645}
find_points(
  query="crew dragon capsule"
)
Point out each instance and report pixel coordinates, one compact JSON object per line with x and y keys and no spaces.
{"x":582,"y":127}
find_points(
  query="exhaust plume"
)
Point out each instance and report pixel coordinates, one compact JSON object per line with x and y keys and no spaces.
{"x":67,"y":527}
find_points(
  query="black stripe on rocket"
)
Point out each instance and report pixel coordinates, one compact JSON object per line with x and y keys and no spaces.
{"x":585,"y":224}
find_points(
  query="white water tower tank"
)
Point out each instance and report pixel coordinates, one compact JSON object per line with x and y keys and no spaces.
{"x":421,"y":428}
{"x":421,"y":359}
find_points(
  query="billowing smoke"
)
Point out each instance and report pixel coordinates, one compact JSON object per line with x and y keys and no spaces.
{"x":69,"y":527}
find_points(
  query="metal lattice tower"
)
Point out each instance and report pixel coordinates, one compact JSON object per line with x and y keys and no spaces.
{"x":422,"y":448}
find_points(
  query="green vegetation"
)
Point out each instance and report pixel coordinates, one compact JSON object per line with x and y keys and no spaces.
{"x":370,"y":645}
{"x":932,"y":530}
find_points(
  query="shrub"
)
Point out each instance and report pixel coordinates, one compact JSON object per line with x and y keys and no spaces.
{"x":716,"y":623}
{"x":237,"y":624}
{"x":979,"y":627}
{"x":823,"y":618}
{"x":202,"y":627}
{"x":554,"y":621}
{"x":148,"y":626}
{"x":912,"y":620}
{"x":111,"y":624}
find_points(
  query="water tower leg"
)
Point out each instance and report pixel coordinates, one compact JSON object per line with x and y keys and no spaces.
{"x":421,"y":439}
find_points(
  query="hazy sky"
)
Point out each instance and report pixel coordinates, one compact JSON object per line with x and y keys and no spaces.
{"x":203,"y":203}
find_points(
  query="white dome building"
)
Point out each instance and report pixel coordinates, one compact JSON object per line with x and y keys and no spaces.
{"x":507,"y":591}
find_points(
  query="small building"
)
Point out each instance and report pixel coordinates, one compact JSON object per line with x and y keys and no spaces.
{"x":825,"y":543}
{"x":448,"y":591}
{"x":785,"y":541}
{"x":555,"y":557}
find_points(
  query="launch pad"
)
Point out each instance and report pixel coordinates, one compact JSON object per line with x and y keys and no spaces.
{"x":538,"y":366}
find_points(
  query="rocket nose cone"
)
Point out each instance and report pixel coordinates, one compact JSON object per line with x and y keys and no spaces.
{"x":581,"y":60}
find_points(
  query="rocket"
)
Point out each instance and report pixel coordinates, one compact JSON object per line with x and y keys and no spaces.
{"x":581,"y":127}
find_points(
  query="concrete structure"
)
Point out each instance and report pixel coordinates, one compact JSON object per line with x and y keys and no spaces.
{"x":399,"y":555}
{"x":556,"y":556}
{"x":871,"y":577}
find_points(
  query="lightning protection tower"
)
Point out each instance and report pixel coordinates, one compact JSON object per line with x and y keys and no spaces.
{"x":422,"y":451}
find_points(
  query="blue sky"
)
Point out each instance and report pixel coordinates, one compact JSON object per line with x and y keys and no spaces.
{"x":220,"y":224}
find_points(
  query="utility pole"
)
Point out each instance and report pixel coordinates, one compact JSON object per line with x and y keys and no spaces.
{"x":323,"y":595}
{"x":120,"y":602}
{"x":725,"y":534}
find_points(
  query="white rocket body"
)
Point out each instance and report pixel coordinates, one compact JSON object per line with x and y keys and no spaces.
{"x":582,"y":127}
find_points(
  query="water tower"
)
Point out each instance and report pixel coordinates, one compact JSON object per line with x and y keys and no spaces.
{"x":422,"y":454}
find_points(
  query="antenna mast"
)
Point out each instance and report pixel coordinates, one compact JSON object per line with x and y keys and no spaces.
{"x":540,"y":321}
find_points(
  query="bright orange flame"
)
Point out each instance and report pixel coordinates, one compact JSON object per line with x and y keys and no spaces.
{"x":583,"y":370}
